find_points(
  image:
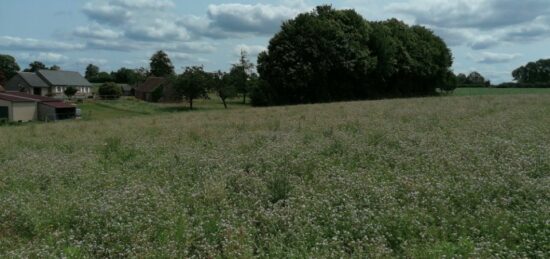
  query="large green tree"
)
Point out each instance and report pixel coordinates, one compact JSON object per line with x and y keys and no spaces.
{"x":332,"y":55}
{"x":192,"y":84}
{"x":92,"y":72}
{"x":161,"y":65}
{"x":533,"y":72}
{"x":8,"y":67}
{"x":126,"y":76}
{"x":318,"y":56}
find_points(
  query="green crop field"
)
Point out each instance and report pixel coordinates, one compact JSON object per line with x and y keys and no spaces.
{"x":427,"y":177}
{"x":499,"y":91}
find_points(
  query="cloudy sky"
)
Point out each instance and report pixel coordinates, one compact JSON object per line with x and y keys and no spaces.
{"x":490,"y":36}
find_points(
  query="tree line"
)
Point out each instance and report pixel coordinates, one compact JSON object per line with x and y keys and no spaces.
{"x":193,"y":83}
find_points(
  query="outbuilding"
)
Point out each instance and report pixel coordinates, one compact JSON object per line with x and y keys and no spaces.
{"x":13,"y":108}
{"x":23,"y":107}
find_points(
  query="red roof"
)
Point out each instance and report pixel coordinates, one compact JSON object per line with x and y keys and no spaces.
{"x":13,"y":98}
{"x":32,"y":96}
{"x":58,"y":104}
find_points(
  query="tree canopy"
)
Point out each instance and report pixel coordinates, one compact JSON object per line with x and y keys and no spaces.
{"x":127,"y":76}
{"x":35,"y":66}
{"x":332,"y":55}
{"x":91,"y":72}
{"x":474,"y":79}
{"x":192,"y":84}
{"x":533,"y":72}
{"x":8,"y":67}
{"x":161,"y":65}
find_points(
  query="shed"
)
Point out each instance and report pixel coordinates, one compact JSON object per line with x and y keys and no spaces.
{"x":157,"y":89}
{"x":53,"y":111}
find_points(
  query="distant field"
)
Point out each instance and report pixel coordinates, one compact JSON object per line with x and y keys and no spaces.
{"x":419,"y":178}
{"x":499,"y":91}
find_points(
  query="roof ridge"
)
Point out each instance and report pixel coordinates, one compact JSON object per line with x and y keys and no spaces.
{"x":22,"y":97}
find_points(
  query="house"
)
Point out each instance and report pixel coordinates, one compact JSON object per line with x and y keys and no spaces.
{"x":127,"y":90}
{"x":23,"y":107}
{"x":157,"y":89}
{"x":49,"y":83}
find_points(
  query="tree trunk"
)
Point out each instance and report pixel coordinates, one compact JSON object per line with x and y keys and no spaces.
{"x":224,"y":103}
{"x":191,"y":104}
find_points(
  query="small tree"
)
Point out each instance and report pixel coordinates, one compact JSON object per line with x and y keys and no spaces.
{"x":109,"y":91}
{"x":70,"y":92}
{"x":220,"y":83}
{"x":240,"y":73}
{"x":192,"y":84}
{"x":55,"y":68}
{"x":161,"y":65}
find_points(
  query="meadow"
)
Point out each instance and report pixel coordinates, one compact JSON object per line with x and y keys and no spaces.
{"x":426,"y":177}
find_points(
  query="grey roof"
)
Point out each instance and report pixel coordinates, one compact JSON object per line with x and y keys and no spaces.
{"x":63,"y":78}
{"x":33,"y":79}
{"x":126,"y":87}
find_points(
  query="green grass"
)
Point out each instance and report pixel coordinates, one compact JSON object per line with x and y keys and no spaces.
{"x":129,"y":107}
{"x":499,"y":91}
{"x":426,"y":177}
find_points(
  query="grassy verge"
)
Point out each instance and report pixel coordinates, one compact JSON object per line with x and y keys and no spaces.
{"x":426,"y":177}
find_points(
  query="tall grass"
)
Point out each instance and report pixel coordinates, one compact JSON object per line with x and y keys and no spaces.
{"x":431,"y":177}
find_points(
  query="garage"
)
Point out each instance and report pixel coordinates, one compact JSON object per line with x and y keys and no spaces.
{"x":13,"y":108}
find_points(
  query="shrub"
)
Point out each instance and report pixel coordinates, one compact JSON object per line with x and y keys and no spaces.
{"x":109,"y":91}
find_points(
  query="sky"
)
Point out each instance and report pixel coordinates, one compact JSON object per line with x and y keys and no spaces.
{"x":490,"y":36}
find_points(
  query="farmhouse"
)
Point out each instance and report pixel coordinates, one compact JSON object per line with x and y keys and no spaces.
{"x":157,"y":89}
{"x":23,"y":107}
{"x":49,"y":83}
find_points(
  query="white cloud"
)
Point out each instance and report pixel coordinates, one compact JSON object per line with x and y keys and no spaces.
{"x":258,"y":18}
{"x":480,"y":14}
{"x":16,"y":43}
{"x":480,"y":24}
{"x":104,"y":12}
{"x":95,"y":61}
{"x":493,"y":58}
{"x":251,"y":50}
{"x":47,"y":57}
{"x":144,"y":4}
{"x":96,"y":31}
{"x":158,"y":30}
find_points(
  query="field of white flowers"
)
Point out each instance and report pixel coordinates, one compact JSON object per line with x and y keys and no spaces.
{"x":429,"y":177}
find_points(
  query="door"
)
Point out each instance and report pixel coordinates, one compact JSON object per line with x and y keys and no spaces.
{"x":4,"y":115}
